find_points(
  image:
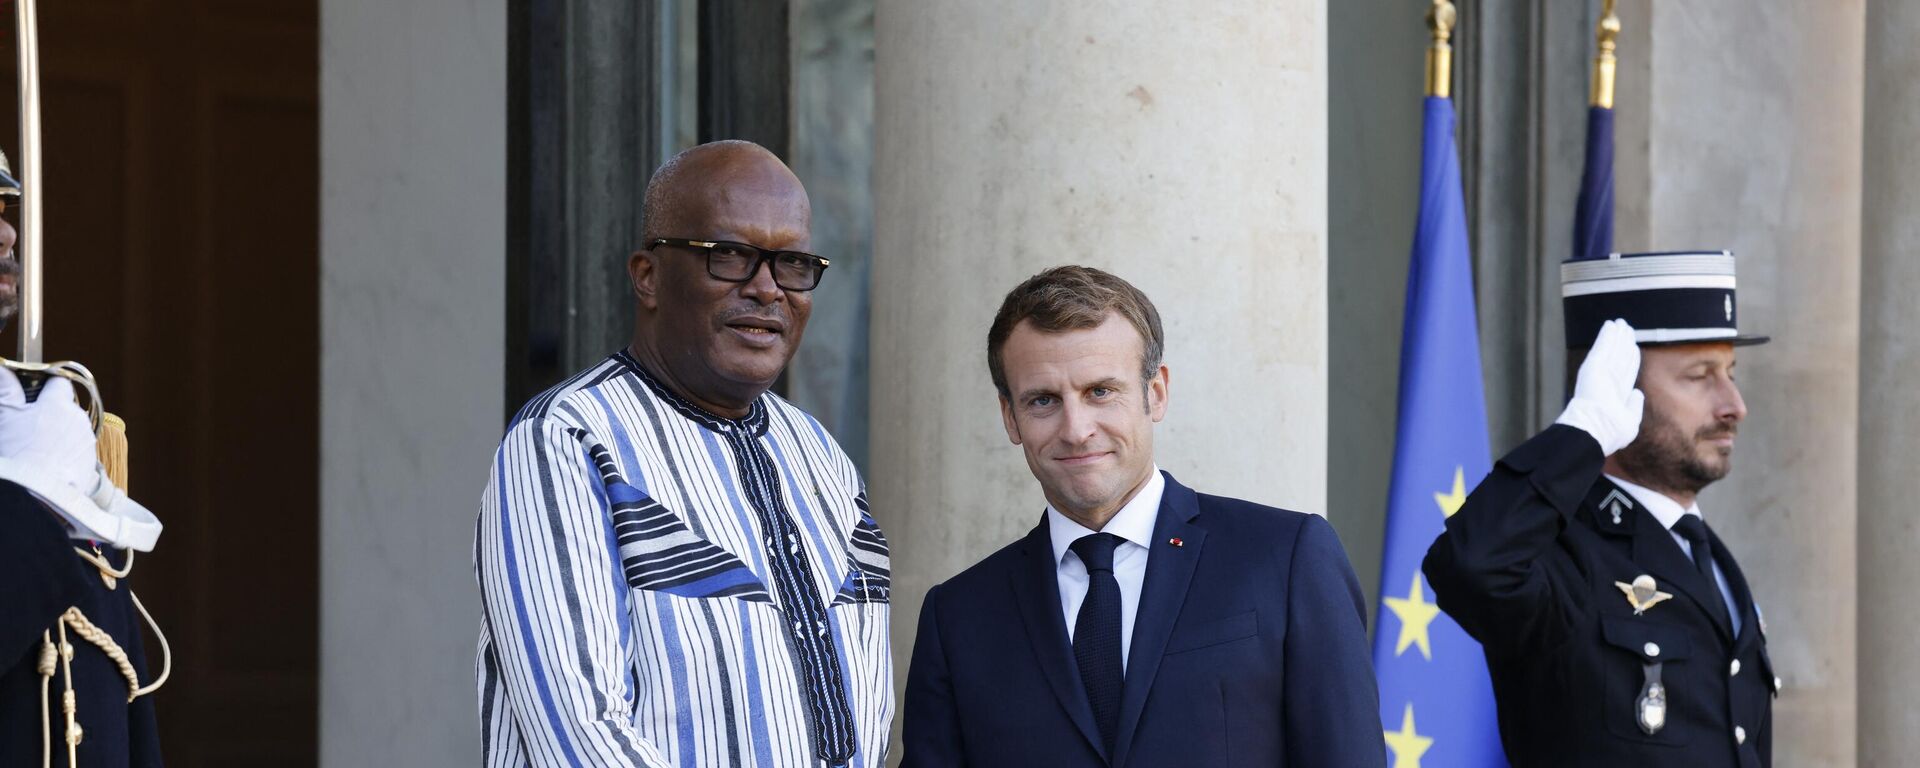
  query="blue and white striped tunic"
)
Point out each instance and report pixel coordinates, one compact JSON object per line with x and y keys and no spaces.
{"x":666,"y":587}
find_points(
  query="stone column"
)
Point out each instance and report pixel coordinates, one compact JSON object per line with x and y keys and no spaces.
{"x":1753,"y":143}
{"x":1889,"y":395}
{"x":1185,"y":152}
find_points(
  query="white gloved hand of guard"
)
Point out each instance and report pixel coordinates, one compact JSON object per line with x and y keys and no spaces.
{"x":48,"y":447}
{"x":51,"y":435}
{"x":1605,"y":403}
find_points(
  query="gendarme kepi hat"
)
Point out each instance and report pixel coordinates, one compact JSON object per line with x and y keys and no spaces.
{"x":1674,"y":297}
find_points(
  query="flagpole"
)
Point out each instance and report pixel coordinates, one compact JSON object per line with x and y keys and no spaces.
{"x":1440,"y":20}
{"x":1604,"y":62}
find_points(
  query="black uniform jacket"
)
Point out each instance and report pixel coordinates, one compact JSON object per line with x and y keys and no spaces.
{"x":1529,"y":568}
{"x":40,"y":577}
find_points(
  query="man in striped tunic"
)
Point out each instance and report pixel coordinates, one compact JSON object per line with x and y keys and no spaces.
{"x":679,"y":568}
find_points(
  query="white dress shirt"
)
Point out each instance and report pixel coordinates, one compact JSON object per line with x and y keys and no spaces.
{"x":1668,"y":512}
{"x":1134,"y":525}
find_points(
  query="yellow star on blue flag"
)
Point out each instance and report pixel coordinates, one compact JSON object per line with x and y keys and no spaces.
{"x":1415,"y":615}
{"x":1451,"y":501}
{"x":1407,"y":744}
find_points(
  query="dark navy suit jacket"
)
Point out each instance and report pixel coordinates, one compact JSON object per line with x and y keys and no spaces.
{"x":1249,"y":649}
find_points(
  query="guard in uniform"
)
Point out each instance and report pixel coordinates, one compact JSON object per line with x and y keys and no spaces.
{"x":1619,"y":631}
{"x":74,"y":681}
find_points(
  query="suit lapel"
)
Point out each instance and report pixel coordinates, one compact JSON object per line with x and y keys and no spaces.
{"x":1036,"y":586}
{"x":1164,"y":591}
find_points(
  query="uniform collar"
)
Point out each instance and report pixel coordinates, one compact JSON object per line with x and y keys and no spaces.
{"x":1134,"y":521}
{"x":1662,"y":507}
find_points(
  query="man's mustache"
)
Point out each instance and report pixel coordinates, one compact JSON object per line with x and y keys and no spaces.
{"x":1713,"y":433}
{"x":756,"y":312}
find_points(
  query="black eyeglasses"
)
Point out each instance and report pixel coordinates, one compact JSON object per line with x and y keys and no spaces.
{"x":739,"y":262}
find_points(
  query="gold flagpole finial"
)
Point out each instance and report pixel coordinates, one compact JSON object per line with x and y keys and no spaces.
{"x":1604,"y":62}
{"x":1440,"y":20}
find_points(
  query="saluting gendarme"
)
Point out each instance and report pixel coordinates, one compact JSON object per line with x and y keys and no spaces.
{"x":1618,"y":628}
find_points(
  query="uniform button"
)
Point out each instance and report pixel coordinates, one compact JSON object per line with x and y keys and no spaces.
{"x":1652,"y":649}
{"x":1739,"y":735}
{"x":1736,"y":668}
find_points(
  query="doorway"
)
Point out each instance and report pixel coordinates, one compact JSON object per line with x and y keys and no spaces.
{"x":181,"y":154}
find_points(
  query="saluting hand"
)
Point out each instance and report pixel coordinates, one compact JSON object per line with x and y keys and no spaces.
{"x":1605,"y":403}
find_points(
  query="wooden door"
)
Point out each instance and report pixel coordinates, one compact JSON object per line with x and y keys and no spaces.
{"x":182,"y":267}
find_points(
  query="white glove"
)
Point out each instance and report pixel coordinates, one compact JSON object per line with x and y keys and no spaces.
{"x":47,"y":446}
{"x":51,"y":434}
{"x":1605,"y":403}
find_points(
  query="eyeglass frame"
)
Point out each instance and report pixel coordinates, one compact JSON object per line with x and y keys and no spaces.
{"x":762,"y":256}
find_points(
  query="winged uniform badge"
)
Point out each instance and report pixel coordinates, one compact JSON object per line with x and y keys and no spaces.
{"x":1643,"y":593}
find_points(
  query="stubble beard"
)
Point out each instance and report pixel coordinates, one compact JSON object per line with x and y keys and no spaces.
{"x":1666,"y":459}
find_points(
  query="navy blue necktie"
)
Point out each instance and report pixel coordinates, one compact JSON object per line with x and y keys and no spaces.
{"x":1096,"y":633}
{"x":1694,"y":530}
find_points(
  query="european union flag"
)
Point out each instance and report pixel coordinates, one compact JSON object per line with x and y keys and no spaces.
{"x":1593,"y":212}
{"x":1435,"y":697}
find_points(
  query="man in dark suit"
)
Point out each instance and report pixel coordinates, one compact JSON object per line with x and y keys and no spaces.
{"x":1140,"y":623}
{"x":1618,"y":628}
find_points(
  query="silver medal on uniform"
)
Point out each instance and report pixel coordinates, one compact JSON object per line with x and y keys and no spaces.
{"x":1650,"y":711}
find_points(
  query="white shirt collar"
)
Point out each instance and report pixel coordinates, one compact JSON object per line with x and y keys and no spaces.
{"x":1134,"y":521}
{"x":1663,"y":508}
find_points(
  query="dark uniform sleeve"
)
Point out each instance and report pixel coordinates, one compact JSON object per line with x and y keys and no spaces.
{"x":40,"y":578}
{"x":38,"y":571}
{"x":1497,"y":569}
